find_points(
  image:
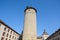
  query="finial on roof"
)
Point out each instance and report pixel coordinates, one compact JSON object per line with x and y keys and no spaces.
{"x":44,"y":30}
{"x":45,"y":33}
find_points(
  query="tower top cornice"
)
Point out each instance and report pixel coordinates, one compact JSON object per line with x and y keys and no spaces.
{"x":29,"y":7}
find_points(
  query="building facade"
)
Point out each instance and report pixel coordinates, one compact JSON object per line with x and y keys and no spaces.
{"x":7,"y":33}
{"x":54,"y":36}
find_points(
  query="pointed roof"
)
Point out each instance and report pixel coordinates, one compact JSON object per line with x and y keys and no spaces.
{"x":45,"y":33}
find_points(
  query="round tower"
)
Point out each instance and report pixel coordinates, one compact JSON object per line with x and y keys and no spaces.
{"x":29,"y":31}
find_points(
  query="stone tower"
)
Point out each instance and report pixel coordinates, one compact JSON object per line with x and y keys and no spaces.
{"x":29,"y":31}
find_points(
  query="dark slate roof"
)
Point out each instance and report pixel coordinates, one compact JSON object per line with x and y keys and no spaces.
{"x":29,"y":7}
{"x":8,"y":26}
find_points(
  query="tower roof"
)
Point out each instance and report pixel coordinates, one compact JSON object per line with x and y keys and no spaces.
{"x":45,"y":33}
{"x":29,"y":7}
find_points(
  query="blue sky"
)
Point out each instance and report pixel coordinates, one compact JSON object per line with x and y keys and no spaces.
{"x":48,"y":14}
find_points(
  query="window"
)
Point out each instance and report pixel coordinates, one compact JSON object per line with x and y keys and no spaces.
{"x":2,"y":38}
{"x":5,"y":29}
{"x":8,"y":30}
{"x":6,"y":38}
{"x":10,"y":36}
{"x":0,"y":24}
{"x":7,"y":35}
{"x":13,"y":37}
{"x":11,"y":32}
{"x":3,"y":33}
